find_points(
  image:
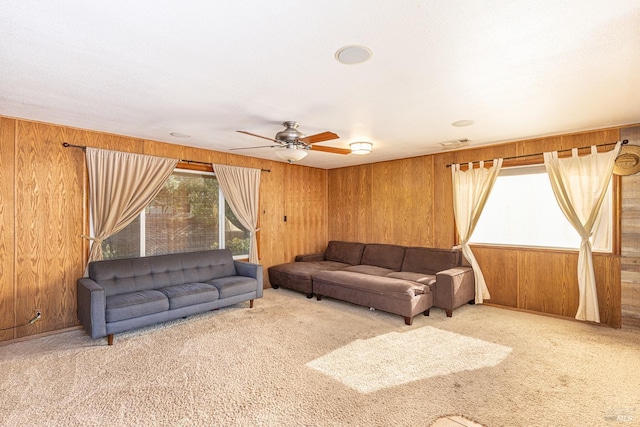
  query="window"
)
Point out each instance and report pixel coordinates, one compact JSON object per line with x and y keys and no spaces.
{"x":184,"y":216}
{"x":522,"y":211}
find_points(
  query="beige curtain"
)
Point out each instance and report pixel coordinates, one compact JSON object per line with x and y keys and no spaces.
{"x":121,"y":185}
{"x":579,"y":184}
{"x":471,"y":189}
{"x":241,"y":189}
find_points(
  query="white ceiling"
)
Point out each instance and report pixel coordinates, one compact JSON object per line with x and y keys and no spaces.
{"x":207,"y":68}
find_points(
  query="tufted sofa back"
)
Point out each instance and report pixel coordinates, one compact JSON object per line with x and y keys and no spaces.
{"x":139,"y":274}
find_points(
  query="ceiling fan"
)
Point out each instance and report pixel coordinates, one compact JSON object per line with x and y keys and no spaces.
{"x":292,"y":145}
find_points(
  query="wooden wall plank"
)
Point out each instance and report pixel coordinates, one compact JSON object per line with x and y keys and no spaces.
{"x":48,"y":222}
{"x":500,"y":270}
{"x":552,"y":289}
{"x":7,"y":228}
{"x":402,"y":214}
{"x":349,"y":203}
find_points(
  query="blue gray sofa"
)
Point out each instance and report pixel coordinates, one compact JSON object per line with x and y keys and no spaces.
{"x":124,"y":294}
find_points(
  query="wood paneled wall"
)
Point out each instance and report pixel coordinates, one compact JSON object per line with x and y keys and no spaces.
{"x":389,"y":202}
{"x":409,"y":202}
{"x":43,"y":212}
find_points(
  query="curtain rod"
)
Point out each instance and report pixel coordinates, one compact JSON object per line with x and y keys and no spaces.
{"x":624,"y":142}
{"x":84,"y":147}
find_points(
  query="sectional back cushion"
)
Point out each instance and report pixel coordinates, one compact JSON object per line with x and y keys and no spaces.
{"x":430,"y":260}
{"x":386,"y":256}
{"x":139,"y":274}
{"x":345,"y":252}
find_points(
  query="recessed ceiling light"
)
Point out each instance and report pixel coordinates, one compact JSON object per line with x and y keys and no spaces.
{"x":354,"y":54}
{"x":180,"y":135}
{"x":462,"y":123}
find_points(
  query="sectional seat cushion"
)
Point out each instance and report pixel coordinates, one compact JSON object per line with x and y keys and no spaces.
{"x":135,"y":304}
{"x":386,"y":286}
{"x":369,"y":269}
{"x":344,"y":252}
{"x":382,"y":255}
{"x":297,"y":275}
{"x":425,"y":279}
{"x":190,"y":294}
{"x":430,"y":260}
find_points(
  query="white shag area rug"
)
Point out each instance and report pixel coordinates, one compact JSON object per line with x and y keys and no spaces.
{"x":260,"y":367}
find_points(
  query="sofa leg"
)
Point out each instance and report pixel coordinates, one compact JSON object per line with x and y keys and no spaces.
{"x":449,"y":313}
{"x":426,"y":312}
{"x":110,"y":339}
{"x":472,"y":302}
{"x":309,"y":296}
{"x":274,"y":286}
{"x":250,"y":303}
{"x":408,"y":320}
{"x":318,"y":297}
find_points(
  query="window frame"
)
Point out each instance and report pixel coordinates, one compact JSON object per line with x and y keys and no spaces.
{"x":200,"y":169}
{"x":616,"y":216}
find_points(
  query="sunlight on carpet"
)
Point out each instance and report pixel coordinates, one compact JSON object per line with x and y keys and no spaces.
{"x":398,"y":358}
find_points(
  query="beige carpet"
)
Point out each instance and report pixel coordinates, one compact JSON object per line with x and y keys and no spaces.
{"x":279,"y":365}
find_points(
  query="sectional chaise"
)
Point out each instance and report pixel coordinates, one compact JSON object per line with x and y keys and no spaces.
{"x":397,"y":279}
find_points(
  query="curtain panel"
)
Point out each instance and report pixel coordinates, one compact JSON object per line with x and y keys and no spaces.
{"x":579,"y":184}
{"x":241,"y":189}
{"x":121,"y":185}
{"x":471,"y":190}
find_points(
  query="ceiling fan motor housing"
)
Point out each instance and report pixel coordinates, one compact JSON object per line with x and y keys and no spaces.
{"x":291,"y":133}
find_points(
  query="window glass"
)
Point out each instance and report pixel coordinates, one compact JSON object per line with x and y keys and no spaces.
{"x":522,"y":211}
{"x":183,"y":217}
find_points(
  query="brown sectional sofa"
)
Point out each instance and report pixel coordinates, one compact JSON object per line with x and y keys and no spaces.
{"x":397,"y":279}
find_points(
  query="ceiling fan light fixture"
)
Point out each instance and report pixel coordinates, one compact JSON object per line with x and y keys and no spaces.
{"x":361,"y":147}
{"x":291,"y":154}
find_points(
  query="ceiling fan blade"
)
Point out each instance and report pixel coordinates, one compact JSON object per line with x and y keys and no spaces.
{"x":331,"y":149}
{"x":319,"y":137}
{"x":259,"y":136}
{"x":259,"y":146}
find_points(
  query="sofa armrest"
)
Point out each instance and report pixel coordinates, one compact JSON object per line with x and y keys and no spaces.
{"x":92,"y":307}
{"x":454,"y":287}
{"x":310,"y":257}
{"x":248,"y":269}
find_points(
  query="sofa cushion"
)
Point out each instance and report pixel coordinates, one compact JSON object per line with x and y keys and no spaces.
{"x":123,"y":276}
{"x":369,"y":269}
{"x":345,"y":252}
{"x":297,"y":275}
{"x":190,"y":294}
{"x":387,"y":286}
{"x":234,"y":285}
{"x":429,"y":260}
{"x":382,"y":255}
{"x":425,"y":279}
{"x":135,"y":304}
